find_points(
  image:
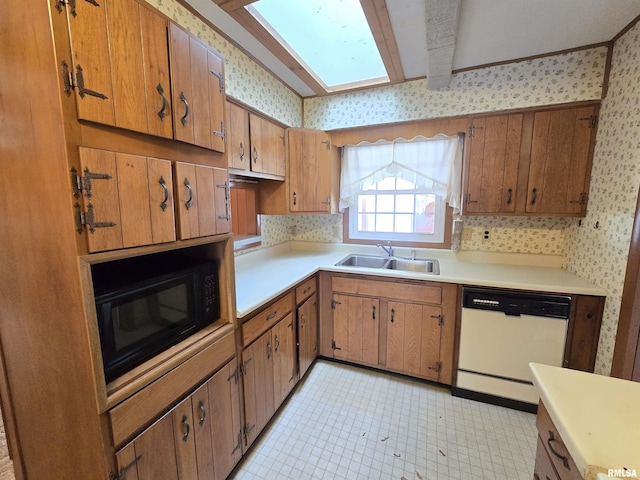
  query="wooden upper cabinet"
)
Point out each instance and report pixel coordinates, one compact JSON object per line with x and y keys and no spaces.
{"x":238,"y":140}
{"x":90,"y":68}
{"x":197,"y":91}
{"x":561,"y":154}
{"x":128,"y":200}
{"x":203,"y":204}
{"x":530,"y":163}
{"x":492,"y":164}
{"x":310,"y":172}
{"x":120,"y":66}
{"x":267,"y":146}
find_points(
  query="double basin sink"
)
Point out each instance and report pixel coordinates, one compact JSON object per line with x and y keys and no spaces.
{"x":391,"y":263}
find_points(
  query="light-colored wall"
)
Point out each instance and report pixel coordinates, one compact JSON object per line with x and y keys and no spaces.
{"x":246,"y":81}
{"x":600,"y":254}
{"x":565,"y":78}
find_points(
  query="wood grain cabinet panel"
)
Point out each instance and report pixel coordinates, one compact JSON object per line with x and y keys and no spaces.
{"x":406,"y":326}
{"x":413,"y":339}
{"x":125,"y":200}
{"x":258,"y":386}
{"x":284,"y":359}
{"x":307,"y":314}
{"x":356,"y":324}
{"x":202,"y":194}
{"x":267,"y":146}
{"x":120,"y":66}
{"x":493,"y":164}
{"x":197,"y":81}
{"x":238,"y":139}
{"x":561,"y":161}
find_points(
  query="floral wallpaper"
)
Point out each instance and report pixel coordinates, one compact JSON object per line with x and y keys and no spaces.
{"x":549,"y":80}
{"x":246,"y":81}
{"x":598,"y":250}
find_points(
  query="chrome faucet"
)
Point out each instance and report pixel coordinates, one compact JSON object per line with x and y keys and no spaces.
{"x":388,"y":249}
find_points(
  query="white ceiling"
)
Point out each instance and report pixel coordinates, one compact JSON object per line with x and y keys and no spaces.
{"x":489,"y":31}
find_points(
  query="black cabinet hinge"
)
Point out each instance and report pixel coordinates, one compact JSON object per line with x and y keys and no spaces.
{"x":437,"y":367}
{"x":235,"y":375}
{"x":85,"y":183}
{"x":122,"y":474}
{"x":333,"y":345}
{"x":60,"y":4}
{"x":220,"y":78}
{"x":440,"y":319}
{"x":334,"y":303}
{"x":88,"y":219}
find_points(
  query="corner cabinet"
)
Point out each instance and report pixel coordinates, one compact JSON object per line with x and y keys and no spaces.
{"x":403,"y":326}
{"x":530,"y":163}
{"x":313,"y":176}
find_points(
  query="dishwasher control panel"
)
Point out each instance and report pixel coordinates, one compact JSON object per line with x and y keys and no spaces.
{"x":514,"y":303}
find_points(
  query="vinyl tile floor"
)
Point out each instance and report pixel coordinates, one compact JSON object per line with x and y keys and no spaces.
{"x":344,"y":422}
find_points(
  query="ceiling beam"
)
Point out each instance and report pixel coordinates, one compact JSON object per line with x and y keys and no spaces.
{"x":230,"y":5}
{"x":442,"y":26}
{"x":378,"y":18}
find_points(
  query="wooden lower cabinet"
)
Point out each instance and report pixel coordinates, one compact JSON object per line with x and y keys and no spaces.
{"x":414,"y":335}
{"x":553,"y":460}
{"x":284,"y":359}
{"x":403,"y":326}
{"x":199,"y":438}
{"x":356,"y":324}
{"x":307,"y":314}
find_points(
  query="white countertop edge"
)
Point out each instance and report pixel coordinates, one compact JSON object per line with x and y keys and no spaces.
{"x":570,"y":396}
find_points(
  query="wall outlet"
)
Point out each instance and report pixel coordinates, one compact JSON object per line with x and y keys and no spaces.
{"x":293,"y":230}
{"x":486,"y":234}
{"x":467,"y":234}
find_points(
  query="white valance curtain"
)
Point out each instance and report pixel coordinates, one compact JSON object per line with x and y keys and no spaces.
{"x":434,"y":164}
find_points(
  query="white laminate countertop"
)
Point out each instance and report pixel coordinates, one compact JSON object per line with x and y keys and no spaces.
{"x":597,"y":417}
{"x":264,"y":274}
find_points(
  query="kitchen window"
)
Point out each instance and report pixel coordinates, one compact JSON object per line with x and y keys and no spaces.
{"x":403,"y":191}
{"x":396,"y":209}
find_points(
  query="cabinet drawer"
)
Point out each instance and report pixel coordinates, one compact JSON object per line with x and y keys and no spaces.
{"x":397,"y":291}
{"x":267,"y":318}
{"x":543,"y":469}
{"x":555,"y":447}
{"x":136,"y":412}
{"x":305,"y":290}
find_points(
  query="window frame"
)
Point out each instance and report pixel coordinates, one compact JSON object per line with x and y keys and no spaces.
{"x":445,"y":244}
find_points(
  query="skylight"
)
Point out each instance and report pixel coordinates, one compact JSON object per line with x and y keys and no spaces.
{"x":330,"y":37}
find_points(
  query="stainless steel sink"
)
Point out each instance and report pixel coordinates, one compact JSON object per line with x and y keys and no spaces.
{"x":368,"y":261}
{"x":391,"y":263}
{"x":423,"y":266}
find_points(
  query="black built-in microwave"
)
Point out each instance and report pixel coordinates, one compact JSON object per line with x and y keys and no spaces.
{"x":147,"y":304}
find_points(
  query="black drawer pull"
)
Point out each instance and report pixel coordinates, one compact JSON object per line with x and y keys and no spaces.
{"x":565,"y":460}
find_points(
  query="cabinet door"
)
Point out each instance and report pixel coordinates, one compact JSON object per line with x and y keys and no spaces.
{"x":257,"y":381}
{"x":215,"y":71}
{"x":307,"y":333}
{"x":238,"y":146}
{"x":284,"y":358}
{"x":203,"y":424}
{"x":222,"y":202}
{"x":90,"y":65}
{"x":206,"y":201}
{"x":225,"y":420}
{"x":127,"y":64}
{"x":163,"y":227}
{"x":187,"y":208}
{"x":184,"y":440}
{"x":356,"y":328}
{"x":413,"y":339}
{"x":560,"y":161}
{"x":157,"y":91}
{"x":152,"y":454}
{"x":309,"y":175}
{"x":101,"y":198}
{"x":181,"y":93}
{"x":493,"y":164}
{"x":199,"y":101}
{"x":267,"y":146}
{"x":543,"y":469}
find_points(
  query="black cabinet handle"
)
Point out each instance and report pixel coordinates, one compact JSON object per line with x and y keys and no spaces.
{"x":203,"y":413}
{"x":186,"y":109}
{"x":565,"y":460}
{"x":393,"y":314}
{"x":534,"y":196}
{"x":163,"y":184}
{"x":162,"y":111}
{"x":188,"y":185}
{"x":241,"y":151}
{"x":510,"y":191}
{"x":187,"y":428}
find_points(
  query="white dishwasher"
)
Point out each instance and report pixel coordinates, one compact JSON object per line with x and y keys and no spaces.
{"x":501,"y":332}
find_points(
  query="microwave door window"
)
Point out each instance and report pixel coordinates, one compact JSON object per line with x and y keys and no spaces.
{"x":139,"y":319}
